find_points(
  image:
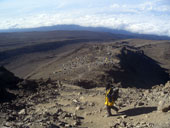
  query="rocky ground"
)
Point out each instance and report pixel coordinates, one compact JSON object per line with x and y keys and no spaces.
{"x":68,"y":90}
{"x":54,"y":104}
{"x":93,"y":65}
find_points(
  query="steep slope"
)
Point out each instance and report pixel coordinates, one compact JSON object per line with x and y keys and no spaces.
{"x":7,"y":81}
{"x":138,"y":70}
{"x":95,"y":64}
{"x":159,"y":52}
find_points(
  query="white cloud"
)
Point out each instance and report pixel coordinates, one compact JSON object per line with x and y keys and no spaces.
{"x":155,"y":5}
{"x":150,"y":17}
{"x":115,"y":6}
{"x":126,"y":22}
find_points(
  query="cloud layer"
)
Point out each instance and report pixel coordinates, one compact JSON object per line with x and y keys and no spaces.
{"x":141,"y":16}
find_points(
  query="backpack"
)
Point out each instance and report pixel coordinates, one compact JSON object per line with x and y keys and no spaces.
{"x":113,"y":94}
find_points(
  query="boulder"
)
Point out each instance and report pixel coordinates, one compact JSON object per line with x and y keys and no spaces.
{"x":22,"y":112}
{"x":166,"y":108}
{"x":164,"y":104}
{"x":167,"y":86}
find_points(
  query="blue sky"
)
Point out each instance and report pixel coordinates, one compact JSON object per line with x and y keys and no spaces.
{"x":141,"y":16}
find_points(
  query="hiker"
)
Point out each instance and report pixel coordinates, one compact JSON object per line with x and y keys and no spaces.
{"x":111,"y":97}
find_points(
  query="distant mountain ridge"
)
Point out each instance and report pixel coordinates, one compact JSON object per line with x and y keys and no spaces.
{"x":72,"y":27}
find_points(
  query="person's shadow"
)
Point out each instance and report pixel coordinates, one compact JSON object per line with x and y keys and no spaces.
{"x":137,"y":111}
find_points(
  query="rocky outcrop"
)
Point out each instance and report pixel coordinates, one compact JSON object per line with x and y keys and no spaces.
{"x":7,"y":81}
{"x":26,"y":110}
{"x":7,"y":78}
{"x":138,"y":70}
{"x":164,"y":103}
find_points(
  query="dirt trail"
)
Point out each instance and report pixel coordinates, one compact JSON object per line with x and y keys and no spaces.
{"x":89,"y":104}
{"x":65,"y":106}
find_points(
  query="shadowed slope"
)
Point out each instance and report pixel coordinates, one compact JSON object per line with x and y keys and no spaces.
{"x":7,"y":80}
{"x":138,"y":70}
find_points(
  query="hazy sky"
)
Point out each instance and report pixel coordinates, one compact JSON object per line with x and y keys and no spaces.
{"x":142,"y":16}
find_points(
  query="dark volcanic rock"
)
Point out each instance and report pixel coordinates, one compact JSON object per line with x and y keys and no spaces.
{"x":7,"y":81}
{"x":138,"y":70}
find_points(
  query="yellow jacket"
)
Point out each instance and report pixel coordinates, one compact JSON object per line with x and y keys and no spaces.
{"x":107,"y":99}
